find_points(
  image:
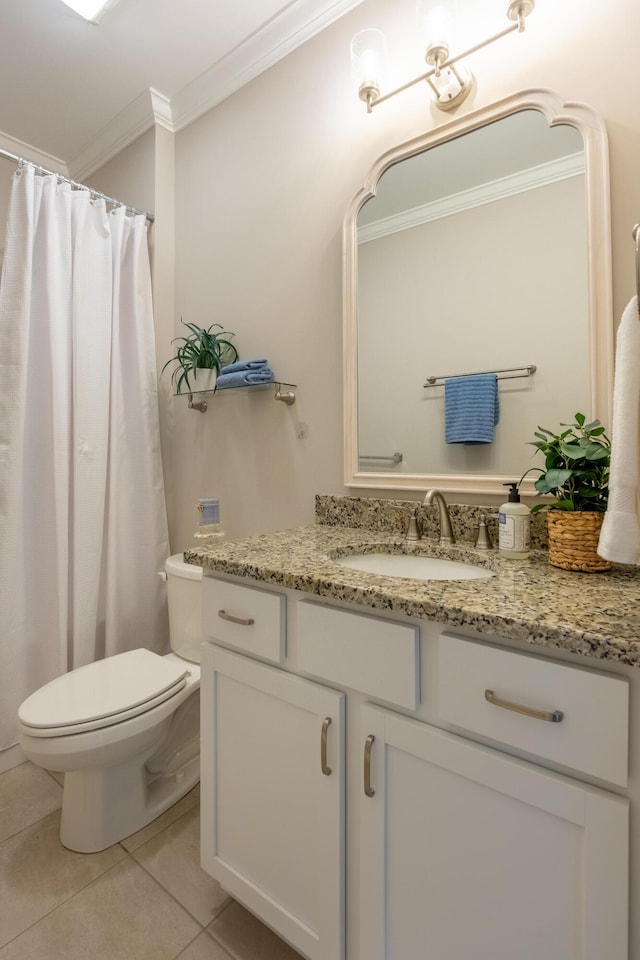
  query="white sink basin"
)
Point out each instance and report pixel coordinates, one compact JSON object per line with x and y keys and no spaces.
{"x":414,"y":567}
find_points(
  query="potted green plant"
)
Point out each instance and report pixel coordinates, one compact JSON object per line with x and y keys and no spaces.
{"x":576,"y":474}
{"x":200,"y":356}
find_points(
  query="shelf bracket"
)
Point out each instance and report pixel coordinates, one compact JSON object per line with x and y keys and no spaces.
{"x":287,"y":397}
{"x":201,"y":405}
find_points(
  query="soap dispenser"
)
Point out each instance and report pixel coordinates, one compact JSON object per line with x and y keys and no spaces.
{"x":513,"y":526}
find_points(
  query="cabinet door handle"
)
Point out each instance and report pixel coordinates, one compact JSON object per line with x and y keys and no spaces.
{"x":326,"y":769}
{"x":243,"y":621}
{"x":368,"y":789}
{"x":551,"y":716}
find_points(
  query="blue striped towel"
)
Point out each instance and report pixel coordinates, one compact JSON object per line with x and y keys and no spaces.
{"x":471,"y":408}
{"x":244,"y":378}
{"x":243,"y":366}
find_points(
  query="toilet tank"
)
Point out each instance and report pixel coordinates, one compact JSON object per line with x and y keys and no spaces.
{"x":184,"y":584}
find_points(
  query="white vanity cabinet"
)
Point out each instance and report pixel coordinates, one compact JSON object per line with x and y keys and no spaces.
{"x":453,"y":846}
{"x":469,"y":853}
{"x":272,"y":794}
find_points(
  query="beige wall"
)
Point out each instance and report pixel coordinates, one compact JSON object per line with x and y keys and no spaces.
{"x":261,"y":186}
{"x":261,"y":189}
{"x":129,"y":176}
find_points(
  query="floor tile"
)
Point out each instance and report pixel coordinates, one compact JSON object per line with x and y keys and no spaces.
{"x":11,"y":757}
{"x":27,"y":794}
{"x":173,"y":858}
{"x":188,"y":802}
{"x":246,"y":938}
{"x":123,"y":915}
{"x":204,"y":948}
{"x":37,"y":874}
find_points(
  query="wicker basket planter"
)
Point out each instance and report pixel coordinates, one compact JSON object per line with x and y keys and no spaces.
{"x":573,"y":540}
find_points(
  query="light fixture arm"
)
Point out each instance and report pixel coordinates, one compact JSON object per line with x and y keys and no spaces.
{"x":517,"y":11}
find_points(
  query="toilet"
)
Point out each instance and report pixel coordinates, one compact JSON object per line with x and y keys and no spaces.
{"x":125,"y":731}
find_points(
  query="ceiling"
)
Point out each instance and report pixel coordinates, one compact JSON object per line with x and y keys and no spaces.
{"x":77,"y":92}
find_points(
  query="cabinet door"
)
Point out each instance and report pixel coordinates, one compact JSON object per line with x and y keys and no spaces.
{"x":272,"y":802}
{"x":468,"y":853}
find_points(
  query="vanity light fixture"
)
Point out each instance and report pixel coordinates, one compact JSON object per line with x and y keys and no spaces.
{"x":449,"y":79}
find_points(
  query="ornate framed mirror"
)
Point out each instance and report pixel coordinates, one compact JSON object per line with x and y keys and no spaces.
{"x":483,"y":246}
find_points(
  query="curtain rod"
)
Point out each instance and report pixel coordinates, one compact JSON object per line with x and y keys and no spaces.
{"x":80,"y":186}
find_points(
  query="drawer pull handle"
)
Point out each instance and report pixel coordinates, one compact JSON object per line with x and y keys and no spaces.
{"x":368,"y":744}
{"x":243,"y":621}
{"x":326,"y":769}
{"x":551,"y":716}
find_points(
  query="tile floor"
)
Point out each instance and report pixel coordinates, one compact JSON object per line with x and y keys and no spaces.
{"x":143,"y":899}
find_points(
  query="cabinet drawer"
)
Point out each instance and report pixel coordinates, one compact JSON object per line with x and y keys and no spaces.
{"x":246,"y":618}
{"x":590,"y":729}
{"x":378,"y":657}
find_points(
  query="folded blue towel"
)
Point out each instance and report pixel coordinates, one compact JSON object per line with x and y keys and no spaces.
{"x":471,"y":408}
{"x":240,"y":366}
{"x":243,"y":378}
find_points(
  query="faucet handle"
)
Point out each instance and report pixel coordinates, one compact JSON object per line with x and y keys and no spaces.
{"x":413,"y":530}
{"x":483,"y":540}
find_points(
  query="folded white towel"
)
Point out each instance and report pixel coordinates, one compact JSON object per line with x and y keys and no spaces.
{"x":620,"y":535}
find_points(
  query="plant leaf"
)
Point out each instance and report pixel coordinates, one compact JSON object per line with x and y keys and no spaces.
{"x":572,"y":450}
{"x":552,"y":479}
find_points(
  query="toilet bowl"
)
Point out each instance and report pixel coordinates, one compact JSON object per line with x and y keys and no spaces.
{"x":125,"y":731}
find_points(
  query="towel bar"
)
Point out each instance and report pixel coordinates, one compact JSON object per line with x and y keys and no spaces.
{"x":396,"y":457}
{"x":507,"y":373}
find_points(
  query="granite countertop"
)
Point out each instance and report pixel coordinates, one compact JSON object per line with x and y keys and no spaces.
{"x":591,"y":614}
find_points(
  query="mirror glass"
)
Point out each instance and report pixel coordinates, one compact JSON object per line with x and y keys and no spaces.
{"x":473,"y":255}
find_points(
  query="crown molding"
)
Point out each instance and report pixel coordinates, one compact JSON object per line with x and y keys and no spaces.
{"x":280,"y":36}
{"x":162,"y":110}
{"x":290,"y":28}
{"x":524,"y":180}
{"x":32,"y":154}
{"x":148,"y":109}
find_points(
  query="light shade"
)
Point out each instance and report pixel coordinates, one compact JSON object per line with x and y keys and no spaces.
{"x":368,"y":58}
{"x":90,"y":9}
{"x":436,"y":22}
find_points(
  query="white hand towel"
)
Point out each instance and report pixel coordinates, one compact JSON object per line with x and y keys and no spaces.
{"x":620,"y":535}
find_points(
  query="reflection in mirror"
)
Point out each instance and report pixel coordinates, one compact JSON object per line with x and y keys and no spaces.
{"x":473,"y":254}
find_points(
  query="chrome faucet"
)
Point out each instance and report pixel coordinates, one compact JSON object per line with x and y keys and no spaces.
{"x":446,"y":530}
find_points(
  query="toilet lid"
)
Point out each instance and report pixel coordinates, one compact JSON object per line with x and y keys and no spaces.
{"x":175,"y":565}
{"x":103,"y":692}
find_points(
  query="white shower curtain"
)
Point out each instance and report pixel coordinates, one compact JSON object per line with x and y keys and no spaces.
{"x":83,"y":529}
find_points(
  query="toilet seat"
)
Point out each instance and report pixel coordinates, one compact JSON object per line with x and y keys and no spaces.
{"x":102,"y":694}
